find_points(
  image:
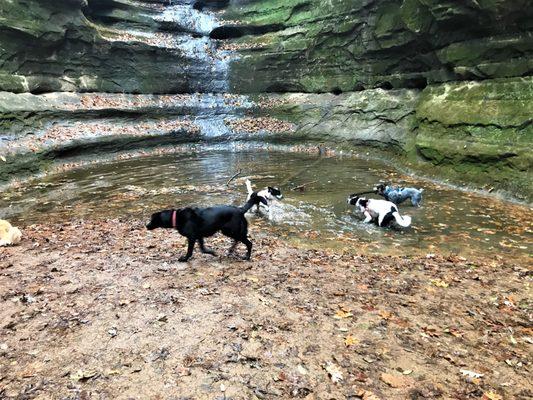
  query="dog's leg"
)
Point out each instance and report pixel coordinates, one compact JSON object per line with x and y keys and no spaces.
{"x":368,"y":217}
{"x":190,"y":248}
{"x":248,"y":248}
{"x":387,"y":218}
{"x":204,"y":250}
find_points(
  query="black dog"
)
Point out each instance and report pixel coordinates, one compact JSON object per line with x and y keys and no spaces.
{"x":197,"y":223}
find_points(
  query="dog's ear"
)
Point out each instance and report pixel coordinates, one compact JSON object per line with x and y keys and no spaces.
{"x":274,"y":191}
{"x":353,"y":199}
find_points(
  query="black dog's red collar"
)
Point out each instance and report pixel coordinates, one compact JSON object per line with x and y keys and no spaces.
{"x":174,"y":212}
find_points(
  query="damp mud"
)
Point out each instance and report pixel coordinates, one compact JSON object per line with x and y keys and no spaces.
{"x":102,"y":309}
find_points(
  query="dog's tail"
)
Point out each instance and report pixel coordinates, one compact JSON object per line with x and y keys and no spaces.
{"x":404,"y":221}
{"x":252,"y":201}
{"x":249,"y":187}
{"x":421,"y":190}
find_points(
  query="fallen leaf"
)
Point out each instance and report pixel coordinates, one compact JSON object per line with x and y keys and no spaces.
{"x":439,"y":283}
{"x":430,"y":331}
{"x":385,"y":314}
{"x":340,"y":314}
{"x":491,"y":396}
{"x":301,"y":369}
{"x":82,"y":375}
{"x":162,"y":318}
{"x":334,"y":372}
{"x":350,"y":341}
{"x":471,"y":374}
{"x":367,"y":395}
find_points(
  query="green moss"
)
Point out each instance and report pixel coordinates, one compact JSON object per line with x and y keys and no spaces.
{"x":503,"y":103}
{"x":416,"y":16}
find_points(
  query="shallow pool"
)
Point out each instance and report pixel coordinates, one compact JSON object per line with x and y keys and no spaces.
{"x":449,"y":221}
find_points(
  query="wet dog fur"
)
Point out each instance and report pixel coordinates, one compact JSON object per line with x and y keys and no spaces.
{"x":269,"y":193}
{"x":382,"y":211}
{"x":198,"y":223}
{"x":398,"y":195}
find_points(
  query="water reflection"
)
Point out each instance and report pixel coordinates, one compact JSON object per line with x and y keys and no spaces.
{"x":448,"y":221}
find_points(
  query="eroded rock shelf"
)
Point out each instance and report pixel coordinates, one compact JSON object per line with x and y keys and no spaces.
{"x":442,"y":87}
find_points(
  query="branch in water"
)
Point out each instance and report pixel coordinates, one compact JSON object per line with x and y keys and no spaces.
{"x":303,"y":185}
{"x":233,"y":177}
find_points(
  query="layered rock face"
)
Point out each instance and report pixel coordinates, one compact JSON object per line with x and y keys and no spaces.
{"x":82,"y":78}
{"x":445,"y":87}
{"x":458,"y":73}
{"x":107,"y":46}
{"x":343,"y":45}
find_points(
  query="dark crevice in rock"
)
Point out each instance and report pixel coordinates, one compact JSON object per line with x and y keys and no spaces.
{"x":419,"y":82}
{"x":212,"y":5}
{"x":237,"y":31}
{"x":113,"y":144}
{"x":385,"y":85}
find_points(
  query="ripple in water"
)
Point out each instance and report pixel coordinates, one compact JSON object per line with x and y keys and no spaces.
{"x":449,"y":221}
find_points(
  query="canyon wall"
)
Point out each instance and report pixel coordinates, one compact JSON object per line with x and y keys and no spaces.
{"x":446,"y":85}
{"x":442,"y":87}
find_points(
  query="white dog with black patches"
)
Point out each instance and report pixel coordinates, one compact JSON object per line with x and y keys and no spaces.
{"x":381,"y":210}
{"x":269,"y":194}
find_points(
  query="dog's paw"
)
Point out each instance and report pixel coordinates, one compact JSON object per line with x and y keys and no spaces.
{"x":183,"y":259}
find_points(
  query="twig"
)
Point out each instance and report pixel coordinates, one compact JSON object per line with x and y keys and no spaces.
{"x":233,"y":177}
{"x":303,"y":185}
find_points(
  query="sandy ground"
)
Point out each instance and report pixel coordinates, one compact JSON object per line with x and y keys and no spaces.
{"x":102,"y":310}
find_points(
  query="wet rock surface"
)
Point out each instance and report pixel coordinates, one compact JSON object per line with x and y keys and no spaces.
{"x":343,"y":45}
{"x":443,"y":87}
{"x":109,"y":46}
{"x":102,"y":308}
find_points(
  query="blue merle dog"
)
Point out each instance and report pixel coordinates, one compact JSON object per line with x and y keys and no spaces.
{"x":398,"y":195}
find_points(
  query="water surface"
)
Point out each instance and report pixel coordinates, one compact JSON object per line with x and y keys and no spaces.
{"x":449,"y":221}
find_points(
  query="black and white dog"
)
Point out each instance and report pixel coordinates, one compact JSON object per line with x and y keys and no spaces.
{"x":398,"y":195}
{"x":198,"y":223}
{"x":382,"y":210}
{"x":269,"y":194}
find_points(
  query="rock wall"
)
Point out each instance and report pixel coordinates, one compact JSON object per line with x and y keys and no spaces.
{"x":477,"y":134}
{"x":122,"y":46}
{"x":351,"y":45}
{"x":444,"y":87}
{"x":459,"y":71}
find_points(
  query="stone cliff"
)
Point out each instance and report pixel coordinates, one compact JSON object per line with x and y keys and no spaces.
{"x":445,"y":87}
